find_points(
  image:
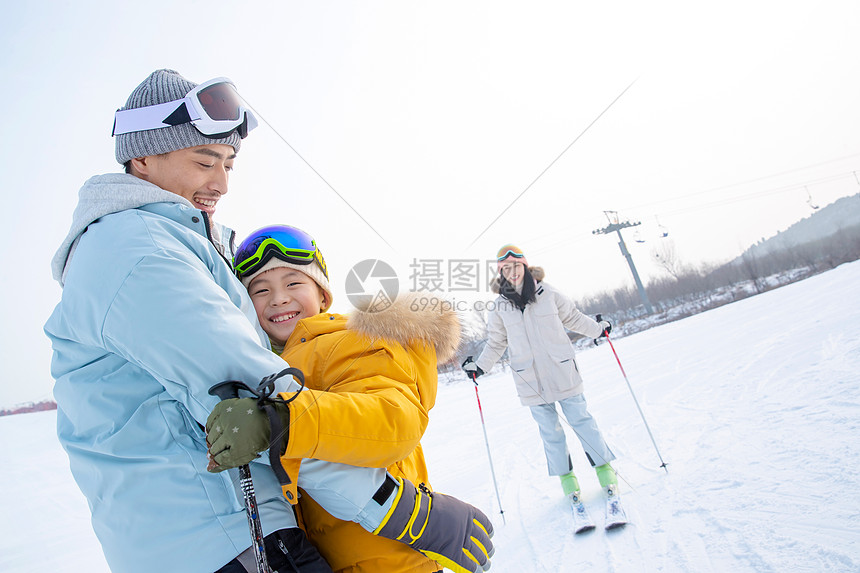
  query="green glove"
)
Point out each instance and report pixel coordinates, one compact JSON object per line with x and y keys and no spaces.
{"x":237,"y":430}
{"x":443,"y":528}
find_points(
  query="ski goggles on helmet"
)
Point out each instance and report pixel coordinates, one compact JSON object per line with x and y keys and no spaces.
{"x":280,"y":241}
{"x":214,"y":108}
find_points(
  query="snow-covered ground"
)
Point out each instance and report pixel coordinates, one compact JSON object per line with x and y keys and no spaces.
{"x":754,"y":405}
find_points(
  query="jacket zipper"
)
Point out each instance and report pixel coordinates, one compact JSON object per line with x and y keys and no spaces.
{"x":208,"y":227}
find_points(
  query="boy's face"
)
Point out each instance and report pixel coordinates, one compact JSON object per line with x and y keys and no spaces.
{"x":282,"y":297}
{"x":513,"y":271}
{"x":199,"y":174}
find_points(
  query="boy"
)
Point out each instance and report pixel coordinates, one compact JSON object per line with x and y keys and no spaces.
{"x":383,"y":367}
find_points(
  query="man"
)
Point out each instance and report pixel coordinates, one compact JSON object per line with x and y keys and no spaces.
{"x":151,"y":317}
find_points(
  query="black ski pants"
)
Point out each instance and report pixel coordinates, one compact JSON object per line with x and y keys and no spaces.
{"x":286,"y":550}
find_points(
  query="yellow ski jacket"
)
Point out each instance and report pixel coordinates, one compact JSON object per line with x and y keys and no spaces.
{"x":385,"y":364}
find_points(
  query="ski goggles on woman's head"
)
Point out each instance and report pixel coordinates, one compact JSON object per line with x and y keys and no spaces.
{"x":511,"y":253}
{"x":214,"y":108}
{"x":280,"y":241}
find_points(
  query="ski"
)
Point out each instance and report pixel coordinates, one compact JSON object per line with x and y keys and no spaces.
{"x":615,"y":514}
{"x":582,"y":521}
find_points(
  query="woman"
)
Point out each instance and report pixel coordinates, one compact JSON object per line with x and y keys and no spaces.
{"x":529,"y":319}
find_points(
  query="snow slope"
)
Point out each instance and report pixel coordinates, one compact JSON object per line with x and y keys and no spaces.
{"x":754,"y":405}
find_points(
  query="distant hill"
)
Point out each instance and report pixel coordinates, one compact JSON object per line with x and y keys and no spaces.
{"x":842,"y":214}
{"x":29,"y":407}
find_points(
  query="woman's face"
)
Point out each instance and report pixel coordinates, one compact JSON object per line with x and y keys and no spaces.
{"x":513,"y":271}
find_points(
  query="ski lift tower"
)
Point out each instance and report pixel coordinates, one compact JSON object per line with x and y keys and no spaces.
{"x":616,"y":226}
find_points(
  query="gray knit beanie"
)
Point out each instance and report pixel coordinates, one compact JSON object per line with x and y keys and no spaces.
{"x":163,"y":86}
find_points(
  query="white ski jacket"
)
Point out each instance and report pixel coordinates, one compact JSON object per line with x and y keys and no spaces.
{"x":542,"y":357}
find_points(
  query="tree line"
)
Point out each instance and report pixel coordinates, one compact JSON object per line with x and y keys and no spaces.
{"x":685,"y":290}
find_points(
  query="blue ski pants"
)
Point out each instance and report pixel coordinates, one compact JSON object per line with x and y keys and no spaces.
{"x":575,"y":410}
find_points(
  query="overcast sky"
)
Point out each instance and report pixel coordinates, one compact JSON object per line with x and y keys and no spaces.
{"x":434,"y":131}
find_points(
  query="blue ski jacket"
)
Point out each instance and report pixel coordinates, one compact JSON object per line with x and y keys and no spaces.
{"x":151,"y":316}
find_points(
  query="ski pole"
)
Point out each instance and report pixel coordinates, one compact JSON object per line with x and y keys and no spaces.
{"x":225,"y":390}
{"x":487,"y":442}
{"x":662,"y":463}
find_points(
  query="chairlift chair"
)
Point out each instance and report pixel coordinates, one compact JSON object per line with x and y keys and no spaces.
{"x":664,"y":232}
{"x":809,"y":199}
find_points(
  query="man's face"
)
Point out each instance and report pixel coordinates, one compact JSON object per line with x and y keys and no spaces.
{"x":199,"y":174}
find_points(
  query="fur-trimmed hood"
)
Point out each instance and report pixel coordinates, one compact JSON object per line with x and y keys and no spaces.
{"x":407,"y":320}
{"x":538,"y":274}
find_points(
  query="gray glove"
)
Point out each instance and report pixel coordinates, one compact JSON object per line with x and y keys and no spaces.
{"x":471,"y":368}
{"x":607,"y":328}
{"x":445,"y":529}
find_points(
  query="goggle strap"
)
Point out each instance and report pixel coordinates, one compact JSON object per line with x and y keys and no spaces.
{"x":179,"y":116}
{"x":149,"y":117}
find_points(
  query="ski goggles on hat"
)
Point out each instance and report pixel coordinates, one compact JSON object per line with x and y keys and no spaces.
{"x":214,"y":108}
{"x":280,"y":241}
{"x":511,"y":253}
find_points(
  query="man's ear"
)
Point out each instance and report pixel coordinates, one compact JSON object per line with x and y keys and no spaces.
{"x":140,"y":166}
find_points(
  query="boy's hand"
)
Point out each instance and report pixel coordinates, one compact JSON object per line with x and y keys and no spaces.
{"x":443,"y":528}
{"x":237,"y":430}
